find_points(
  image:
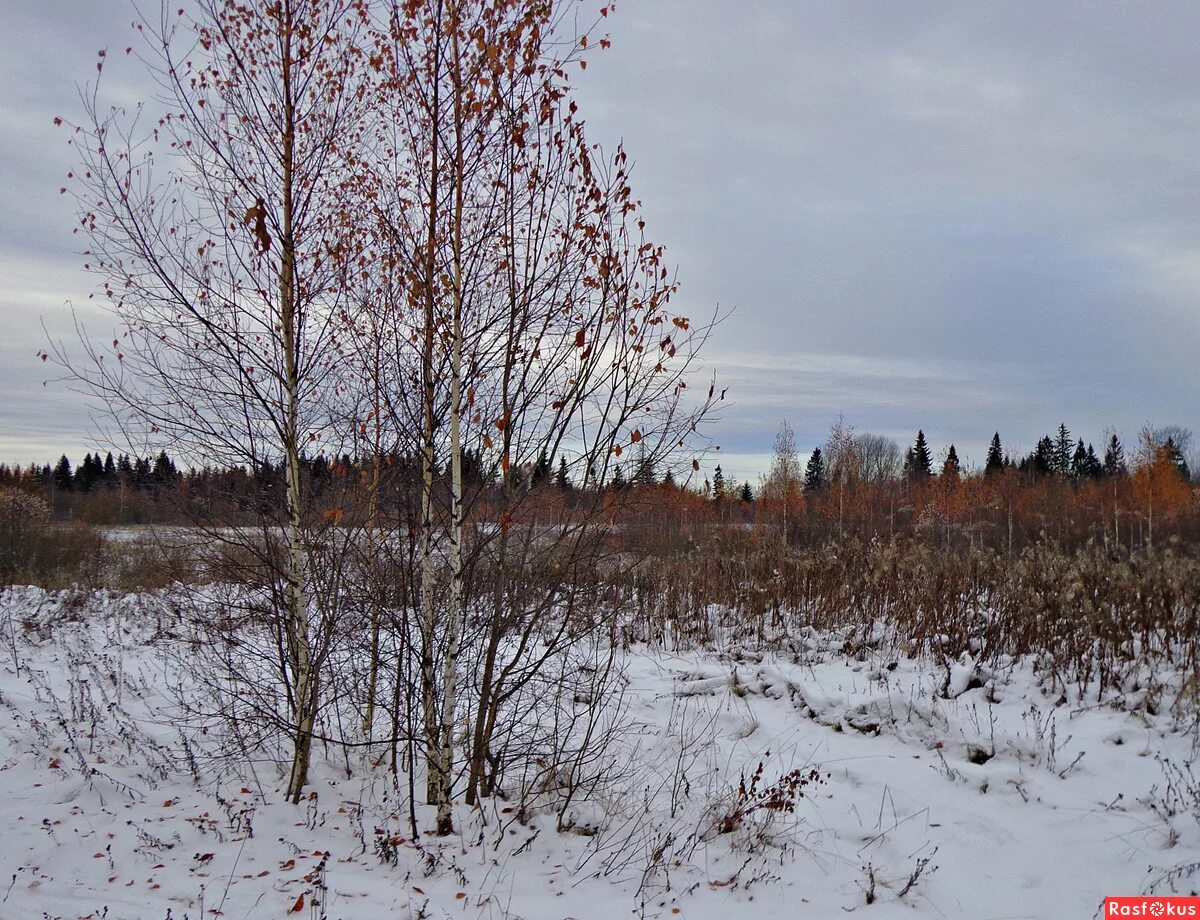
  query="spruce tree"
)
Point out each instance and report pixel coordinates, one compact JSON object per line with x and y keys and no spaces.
{"x":1093,"y":469}
{"x":1114,"y":458}
{"x":814,"y":472}
{"x":950,"y":466}
{"x":85,"y":473}
{"x":747,"y":494}
{"x":645,"y":473}
{"x":164,"y":469}
{"x":918,"y":463}
{"x":1063,"y":452}
{"x":1042,"y":461}
{"x":1079,"y":462}
{"x":64,"y":480}
{"x":995,"y":458}
{"x":560,"y":479}
{"x":718,"y":484}
{"x":1175,"y":454}
{"x":618,"y":478}
{"x":541,"y":470}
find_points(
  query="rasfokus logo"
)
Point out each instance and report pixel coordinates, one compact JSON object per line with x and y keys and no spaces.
{"x":1141,"y":906}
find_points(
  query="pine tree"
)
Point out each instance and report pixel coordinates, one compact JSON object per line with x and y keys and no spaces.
{"x":814,"y":472}
{"x":995,"y":458}
{"x":1093,"y":469}
{"x":918,"y":462}
{"x":1114,"y":458}
{"x":747,"y":494}
{"x":950,"y":466}
{"x":718,"y":484}
{"x":668,"y":480}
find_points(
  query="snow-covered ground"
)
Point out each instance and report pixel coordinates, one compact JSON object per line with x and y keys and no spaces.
{"x":889,"y":787}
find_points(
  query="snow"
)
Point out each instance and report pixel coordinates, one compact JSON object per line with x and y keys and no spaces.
{"x":1017,"y":799}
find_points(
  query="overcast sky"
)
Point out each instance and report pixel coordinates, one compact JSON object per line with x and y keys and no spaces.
{"x":962,"y":216}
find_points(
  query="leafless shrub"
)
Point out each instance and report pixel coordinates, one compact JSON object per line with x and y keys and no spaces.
{"x":1099,"y":621}
{"x":33,"y":550}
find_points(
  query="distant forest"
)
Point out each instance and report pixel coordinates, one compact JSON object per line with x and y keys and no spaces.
{"x":855,"y":485}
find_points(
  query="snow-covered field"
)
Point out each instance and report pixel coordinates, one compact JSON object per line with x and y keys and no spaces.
{"x":889,"y":787}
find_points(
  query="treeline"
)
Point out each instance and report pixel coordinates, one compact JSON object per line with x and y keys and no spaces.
{"x":862,"y":485}
{"x":119,"y":489}
{"x":855,"y":485}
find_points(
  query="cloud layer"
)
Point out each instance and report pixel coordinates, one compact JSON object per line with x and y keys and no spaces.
{"x":962,"y":217}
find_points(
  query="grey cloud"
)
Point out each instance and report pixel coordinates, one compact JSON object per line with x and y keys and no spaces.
{"x":994,"y":208}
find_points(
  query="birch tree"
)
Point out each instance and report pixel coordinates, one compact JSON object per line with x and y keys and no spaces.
{"x":215,"y":220}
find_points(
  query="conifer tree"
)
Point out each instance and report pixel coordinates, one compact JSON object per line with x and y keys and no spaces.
{"x":1175,"y":454}
{"x":646,"y":473}
{"x":918,"y":463}
{"x":950,"y":466}
{"x":995,"y":458}
{"x":1042,"y":461}
{"x":560,"y":480}
{"x":814,"y":472}
{"x":618,"y":478}
{"x":1062,"y":452}
{"x":541,"y":470}
{"x":1079,"y":461}
{"x":747,"y":493}
{"x":63,"y":477}
{"x":1114,"y":458}
{"x":718,"y":484}
{"x":164,"y":469}
{"x":85,"y":474}
{"x":1093,"y":469}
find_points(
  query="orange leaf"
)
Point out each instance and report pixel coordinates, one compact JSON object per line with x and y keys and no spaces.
{"x":636,"y":436}
{"x":299,"y":905}
{"x":579,"y":339}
